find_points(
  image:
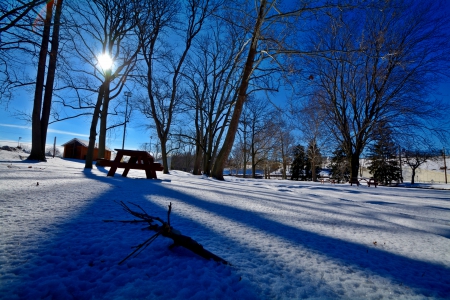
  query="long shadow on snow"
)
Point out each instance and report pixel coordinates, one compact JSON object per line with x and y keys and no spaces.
{"x":75,"y":262}
{"x":298,"y":204}
{"x":425,"y":277}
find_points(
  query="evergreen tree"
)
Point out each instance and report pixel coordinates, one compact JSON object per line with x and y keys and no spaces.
{"x":299,"y":163}
{"x":384,"y":164}
{"x":340,"y":165}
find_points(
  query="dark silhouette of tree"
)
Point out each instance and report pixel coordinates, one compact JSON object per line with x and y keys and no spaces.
{"x":12,"y":12}
{"x":99,"y":28}
{"x":212,"y":70}
{"x":340,"y":165}
{"x":384,"y":163}
{"x":262,"y":131}
{"x":271,"y":37}
{"x":298,"y":163}
{"x":414,"y":158}
{"x":44,"y":84}
{"x":163,"y":64}
{"x":377,"y":66}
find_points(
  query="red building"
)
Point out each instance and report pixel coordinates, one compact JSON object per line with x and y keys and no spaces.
{"x":76,"y":148}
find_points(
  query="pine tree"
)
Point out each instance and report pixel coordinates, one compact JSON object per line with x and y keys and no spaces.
{"x":299,"y":163}
{"x":340,"y":165}
{"x":383,"y":161}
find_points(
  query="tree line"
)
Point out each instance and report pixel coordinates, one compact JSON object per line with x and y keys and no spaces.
{"x":205,"y":74}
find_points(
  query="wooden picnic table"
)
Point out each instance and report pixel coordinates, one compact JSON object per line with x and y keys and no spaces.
{"x":139,"y":160}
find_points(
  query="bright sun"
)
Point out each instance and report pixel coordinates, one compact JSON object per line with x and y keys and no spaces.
{"x":105,"y":61}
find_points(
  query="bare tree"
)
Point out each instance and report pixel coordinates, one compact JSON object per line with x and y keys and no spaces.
{"x":272,"y":33}
{"x":309,"y":121}
{"x":259,"y":130}
{"x":414,"y":158}
{"x":13,"y":12}
{"x":283,"y":142}
{"x":211,"y":73}
{"x":377,"y":66}
{"x":163,"y":65}
{"x":44,"y":91}
{"x":99,"y":30}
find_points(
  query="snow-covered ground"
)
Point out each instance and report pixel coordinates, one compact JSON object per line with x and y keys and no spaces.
{"x":284,"y":239}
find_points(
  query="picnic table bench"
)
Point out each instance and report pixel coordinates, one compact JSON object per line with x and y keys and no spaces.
{"x":369,"y":181}
{"x":139,"y":160}
{"x":330,"y":180}
{"x":372,"y":181}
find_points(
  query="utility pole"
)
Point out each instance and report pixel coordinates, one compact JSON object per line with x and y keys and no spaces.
{"x":445,"y":167}
{"x":54,"y":147}
{"x":127,"y":95}
{"x":400,"y":163}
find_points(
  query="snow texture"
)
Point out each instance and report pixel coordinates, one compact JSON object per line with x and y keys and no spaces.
{"x":284,"y":239}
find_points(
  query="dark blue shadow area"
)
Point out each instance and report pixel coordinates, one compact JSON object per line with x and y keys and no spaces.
{"x":381,"y":203}
{"x":425,"y":278}
{"x":25,"y":161}
{"x":74,"y":262}
{"x":438,"y":207}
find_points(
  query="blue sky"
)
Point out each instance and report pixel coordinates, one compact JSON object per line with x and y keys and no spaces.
{"x":11,"y":128}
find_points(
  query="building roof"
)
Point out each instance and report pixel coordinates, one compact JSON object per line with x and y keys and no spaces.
{"x":84,"y":143}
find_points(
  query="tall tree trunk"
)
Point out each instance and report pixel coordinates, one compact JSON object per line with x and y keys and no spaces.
{"x":313,"y":170}
{"x":413,"y":174}
{"x":46,"y":108}
{"x":207,"y":162}
{"x":93,"y":129}
{"x":219,"y":164}
{"x":103,"y":124}
{"x":164,"y":155}
{"x":197,"y":160}
{"x":244,"y":167}
{"x":36,"y":133}
{"x":354,"y":167}
{"x":283,"y":158}
{"x":253,"y":160}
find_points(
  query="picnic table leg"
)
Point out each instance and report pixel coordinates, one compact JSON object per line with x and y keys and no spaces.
{"x":131,"y":161}
{"x":113,"y":170}
{"x":149,"y":173}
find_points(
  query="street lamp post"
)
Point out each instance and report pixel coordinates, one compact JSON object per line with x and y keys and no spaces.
{"x":150,"y":149}
{"x":127,"y":95}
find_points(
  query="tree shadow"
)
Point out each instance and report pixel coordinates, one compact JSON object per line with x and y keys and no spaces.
{"x":73,"y":260}
{"x":423,"y":277}
{"x":69,"y":257}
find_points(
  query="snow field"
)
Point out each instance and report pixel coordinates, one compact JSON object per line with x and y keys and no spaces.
{"x":284,"y":239}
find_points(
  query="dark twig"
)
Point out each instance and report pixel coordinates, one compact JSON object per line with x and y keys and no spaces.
{"x":126,"y":221}
{"x":167,"y":231}
{"x":139,"y":247}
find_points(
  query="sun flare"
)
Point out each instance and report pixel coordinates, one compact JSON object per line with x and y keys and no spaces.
{"x":105,"y":61}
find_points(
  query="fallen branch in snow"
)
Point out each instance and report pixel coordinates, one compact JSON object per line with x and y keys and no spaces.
{"x":167,"y":231}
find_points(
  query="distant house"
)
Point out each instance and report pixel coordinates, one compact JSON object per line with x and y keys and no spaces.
{"x":76,"y":148}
